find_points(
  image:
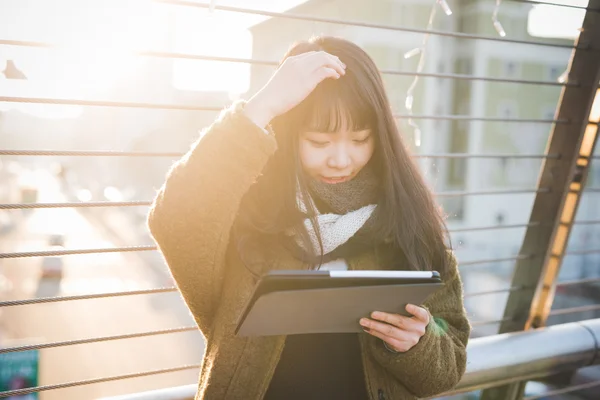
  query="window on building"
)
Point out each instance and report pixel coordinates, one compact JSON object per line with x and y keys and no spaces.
{"x":594,"y":176}
{"x":440,"y":67}
{"x":510,"y":69}
{"x":554,"y":73}
{"x":402,"y":14}
{"x":379,"y":54}
{"x":507,"y":109}
{"x":457,"y":167}
{"x":464,"y":109}
{"x":467,"y":66}
{"x":548,"y":112}
{"x":455,"y":173}
{"x":454,"y":207}
{"x":439,"y":123}
{"x":457,"y":170}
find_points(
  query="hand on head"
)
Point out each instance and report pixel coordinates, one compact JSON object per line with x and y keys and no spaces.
{"x":293,"y":81}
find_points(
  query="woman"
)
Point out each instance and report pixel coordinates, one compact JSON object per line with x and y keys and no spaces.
{"x":310,"y":173}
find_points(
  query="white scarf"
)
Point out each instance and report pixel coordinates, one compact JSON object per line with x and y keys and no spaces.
{"x":335,"y":229}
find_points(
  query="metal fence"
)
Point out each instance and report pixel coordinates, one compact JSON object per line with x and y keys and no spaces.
{"x":564,"y":168}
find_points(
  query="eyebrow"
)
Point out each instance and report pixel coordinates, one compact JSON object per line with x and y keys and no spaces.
{"x":306,"y":132}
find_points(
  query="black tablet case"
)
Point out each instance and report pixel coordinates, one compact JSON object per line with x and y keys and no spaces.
{"x":334,"y":309}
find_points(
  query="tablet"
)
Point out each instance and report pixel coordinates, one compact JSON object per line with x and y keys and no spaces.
{"x":298,"y":302}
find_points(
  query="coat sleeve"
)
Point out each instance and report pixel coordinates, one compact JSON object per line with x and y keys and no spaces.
{"x":193,"y":213}
{"x":438,"y":361}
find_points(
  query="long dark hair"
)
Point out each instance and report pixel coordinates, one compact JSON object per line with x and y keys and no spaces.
{"x":407,"y":213}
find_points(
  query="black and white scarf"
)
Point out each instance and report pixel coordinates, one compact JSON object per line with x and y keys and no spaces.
{"x":344,"y":211}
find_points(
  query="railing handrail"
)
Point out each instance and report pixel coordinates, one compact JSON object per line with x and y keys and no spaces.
{"x":492,"y":360}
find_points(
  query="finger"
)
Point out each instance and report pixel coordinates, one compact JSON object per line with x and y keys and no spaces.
{"x":393,"y":319}
{"x":404,"y":324}
{"x":336,"y":63}
{"x":409,"y":324}
{"x":323,"y":59}
{"x":304,"y":55}
{"x":398,"y":345}
{"x":325,"y":73}
{"x":414,"y":325}
{"x":418,"y":312}
{"x":298,"y":58}
{"x":383,"y":328}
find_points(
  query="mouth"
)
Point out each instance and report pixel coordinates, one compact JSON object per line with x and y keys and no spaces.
{"x":333,"y":180}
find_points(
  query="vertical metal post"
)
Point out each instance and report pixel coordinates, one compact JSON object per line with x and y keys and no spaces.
{"x":555,"y":211}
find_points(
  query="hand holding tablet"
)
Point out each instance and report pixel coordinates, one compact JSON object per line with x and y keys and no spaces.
{"x":400,"y":333}
{"x":301,"y":302}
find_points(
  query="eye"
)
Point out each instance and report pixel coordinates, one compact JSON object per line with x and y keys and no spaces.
{"x":317,"y":143}
{"x":365,"y":140}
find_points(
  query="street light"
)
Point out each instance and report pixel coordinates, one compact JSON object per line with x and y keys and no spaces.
{"x":12,"y":72}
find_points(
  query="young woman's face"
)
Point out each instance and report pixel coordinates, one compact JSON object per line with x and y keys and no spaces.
{"x":335,"y":157}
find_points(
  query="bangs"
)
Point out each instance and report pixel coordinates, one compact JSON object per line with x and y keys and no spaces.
{"x":335,"y":105}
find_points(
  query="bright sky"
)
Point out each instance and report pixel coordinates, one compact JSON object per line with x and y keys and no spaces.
{"x":97,"y":37}
{"x":551,"y":21}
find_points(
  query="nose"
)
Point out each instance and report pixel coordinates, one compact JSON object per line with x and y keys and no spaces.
{"x":339,"y":157}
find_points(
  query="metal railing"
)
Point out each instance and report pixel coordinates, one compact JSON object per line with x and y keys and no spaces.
{"x":573,"y":345}
{"x":493,"y":360}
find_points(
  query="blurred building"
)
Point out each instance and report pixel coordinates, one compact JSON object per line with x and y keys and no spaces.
{"x":161,"y":130}
{"x":476,"y":98}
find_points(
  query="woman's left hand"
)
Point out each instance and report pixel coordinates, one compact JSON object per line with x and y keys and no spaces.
{"x":399,"y":332}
